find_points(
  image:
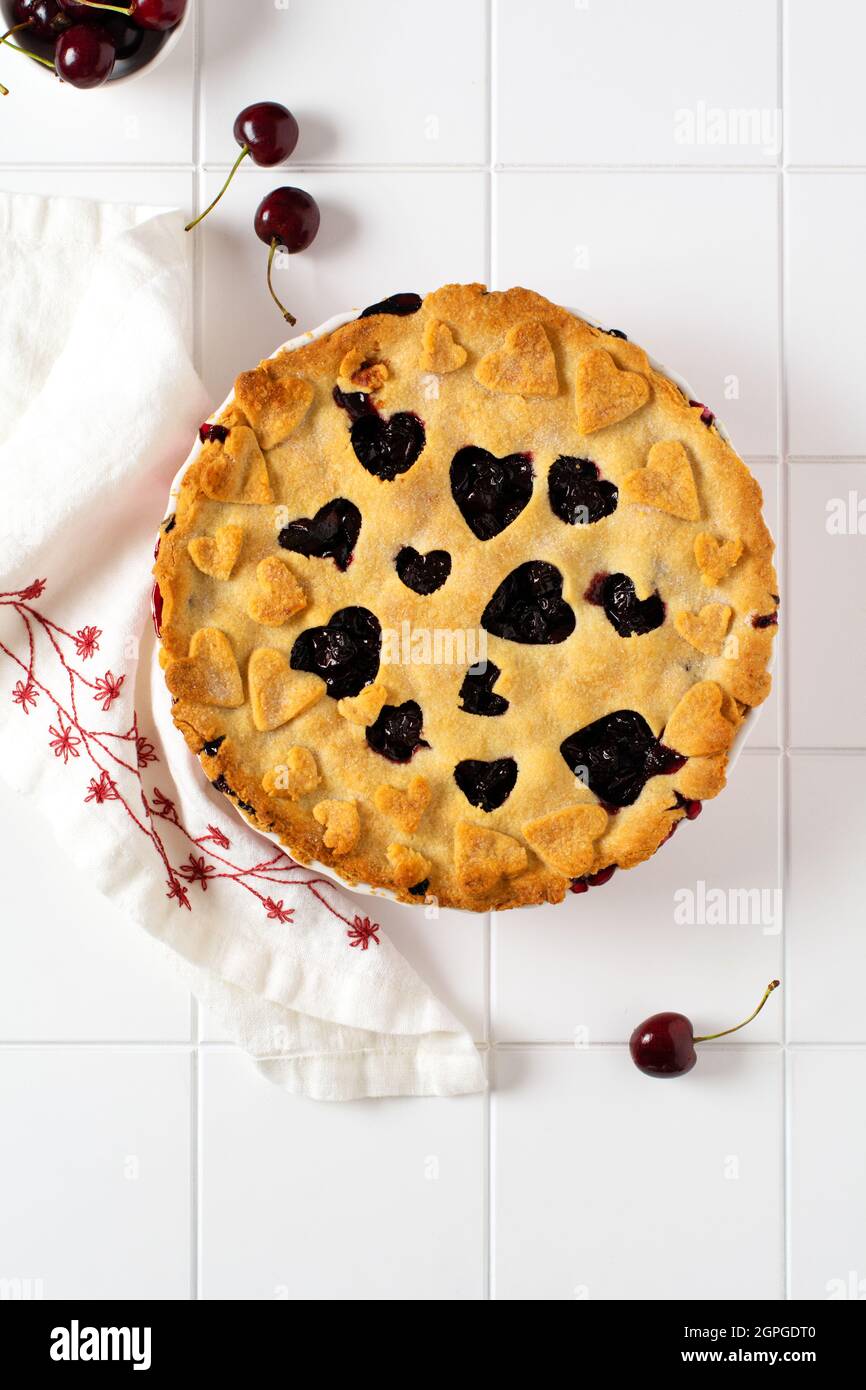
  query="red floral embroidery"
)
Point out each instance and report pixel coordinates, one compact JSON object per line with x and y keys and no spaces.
{"x":64,"y":743}
{"x":103,"y":790}
{"x":196,"y":870}
{"x":362,"y":932}
{"x":116,"y":774}
{"x":87,"y":641}
{"x":108,"y":687}
{"x":24,"y":694}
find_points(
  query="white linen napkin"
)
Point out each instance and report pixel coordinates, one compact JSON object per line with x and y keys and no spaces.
{"x":100,"y":401}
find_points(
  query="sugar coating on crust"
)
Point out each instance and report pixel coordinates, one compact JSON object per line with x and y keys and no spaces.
{"x":509,"y":374}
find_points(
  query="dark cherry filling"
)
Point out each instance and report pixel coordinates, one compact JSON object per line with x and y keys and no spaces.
{"x":477,"y":695}
{"x":169,"y":524}
{"x":222,"y":785}
{"x":616,"y":333}
{"x":419,"y":889}
{"x":331,"y":533}
{"x":490,"y":492}
{"x":583,"y":885}
{"x":617,"y":755}
{"x":528,"y":606}
{"x":707,"y":416}
{"x":216,"y":434}
{"x":765,"y":620}
{"x":486,"y":785}
{"x":213,"y":745}
{"x":631,"y":616}
{"x":156,"y":609}
{"x":578,"y":494}
{"x":355,"y":403}
{"x":423,"y":574}
{"x":400,"y":304}
{"x":345,"y":652}
{"x":384,"y":447}
{"x":396,"y":733}
{"x":691,"y":807}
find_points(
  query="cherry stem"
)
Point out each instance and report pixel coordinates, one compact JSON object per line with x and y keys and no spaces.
{"x":237,"y":164}
{"x":708,"y":1037}
{"x":290,"y":318}
{"x":128,"y":10}
{"x":4,"y":91}
{"x":18,"y":49}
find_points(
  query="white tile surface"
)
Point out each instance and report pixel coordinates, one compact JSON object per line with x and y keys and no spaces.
{"x":383,"y":83}
{"x":609,"y":1184}
{"x":575,"y":86}
{"x":590,"y":969}
{"x":149,"y":120}
{"x":825,"y":306}
{"x":827,"y":604}
{"x":828,"y":1196}
{"x":685,"y":263}
{"x":826,"y":936}
{"x":369,"y":1200}
{"x":368,"y":247}
{"x":824,"y":82}
{"x":75,"y":969}
{"x":95,"y":1171}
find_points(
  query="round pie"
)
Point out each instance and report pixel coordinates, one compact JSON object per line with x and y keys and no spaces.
{"x":465,"y":600}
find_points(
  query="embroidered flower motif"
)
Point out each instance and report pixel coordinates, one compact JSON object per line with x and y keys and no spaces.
{"x":34,"y":590}
{"x":64,"y":742}
{"x":103,"y":790}
{"x":163,"y":806}
{"x":215,"y":837}
{"x":146,"y":751}
{"x":363,"y":932}
{"x":277,"y":911}
{"x":197,"y":871}
{"x":177,"y":890}
{"x":108,"y":687}
{"x":24,"y":694}
{"x":87,"y":641}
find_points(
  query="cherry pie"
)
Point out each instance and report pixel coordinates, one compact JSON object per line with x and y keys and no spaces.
{"x":466,"y":600}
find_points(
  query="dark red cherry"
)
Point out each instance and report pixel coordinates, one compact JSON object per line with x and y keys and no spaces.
{"x":84,"y":56}
{"x":213,"y":434}
{"x":125,"y":35}
{"x":148,"y":14}
{"x":267,"y":133}
{"x":44,"y":18}
{"x":664,"y":1044}
{"x":289,"y":218}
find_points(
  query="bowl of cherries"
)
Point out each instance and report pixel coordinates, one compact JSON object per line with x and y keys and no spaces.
{"x":87,"y":43}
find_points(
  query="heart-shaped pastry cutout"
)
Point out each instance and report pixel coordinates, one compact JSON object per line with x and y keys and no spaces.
{"x":666,"y":483}
{"x":274,"y":403}
{"x":477,"y":695}
{"x":216,"y":555}
{"x":523,"y":366}
{"x":331,"y":534}
{"x":210,"y":674}
{"x":715,"y":558}
{"x":364,"y":708}
{"x":277,"y":596}
{"x":396,"y":732}
{"x":236,"y":470}
{"x":293,"y":778}
{"x":528,"y":606}
{"x":604,"y":394}
{"x":404,"y":808}
{"x":490,"y":492}
{"x":423,"y":574}
{"x":440,"y":352}
{"x":277,"y":693}
{"x":344,"y":652}
{"x":578,"y":494}
{"x":486,"y":785}
{"x":706,"y":630}
{"x":410,"y":867}
{"x":483,"y":857}
{"x":387,"y":448}
{"x":565,"y":839}
{"x":697,"y":725}
{"x":342,"y":824}
{"x":615,"y":756}
{"x":629,"y":615}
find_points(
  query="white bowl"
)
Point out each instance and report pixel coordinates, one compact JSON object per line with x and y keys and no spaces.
{"x":125,"y":71}
{"x":328,"y":326}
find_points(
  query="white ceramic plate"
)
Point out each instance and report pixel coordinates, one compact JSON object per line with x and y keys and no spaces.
{"x":328,"y":327}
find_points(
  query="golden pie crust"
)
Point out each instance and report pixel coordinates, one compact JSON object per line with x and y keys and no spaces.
{"x":510,"y":373}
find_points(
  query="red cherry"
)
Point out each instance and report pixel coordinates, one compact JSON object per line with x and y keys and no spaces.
{"x":43,"y":18}
{"x":664,"y":1044}
{"x":147,"y":14}
{"x":286,"y":217}
{"x":266,"y":132}
{"x":84,"y":56}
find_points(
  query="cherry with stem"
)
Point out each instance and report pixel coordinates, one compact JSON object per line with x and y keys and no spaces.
{"x":148,"y":14}
{"x":664,"y":1044}
{"x":267,"y":132}
{"x":287,"y":218}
